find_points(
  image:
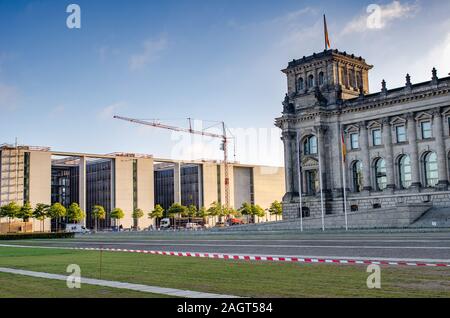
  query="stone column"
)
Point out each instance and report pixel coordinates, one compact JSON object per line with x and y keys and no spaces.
{"x":387,"y":136}
{"x":364,"y":144}
{"x":320,"y":131}
{"x":288,"y":164}
{"x":295,"y":152}
{"x":412,"y":139}
{"x":335,"y":155}
{"x":177,"y":182}
{"x":82,"y":186}
{"x":440,"y":149}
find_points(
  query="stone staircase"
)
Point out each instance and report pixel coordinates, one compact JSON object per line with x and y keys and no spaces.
{"x":436,"y":217}
{"x":402,"y":216}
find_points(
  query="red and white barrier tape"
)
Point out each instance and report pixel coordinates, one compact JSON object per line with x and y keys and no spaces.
{"x":267,"y":258}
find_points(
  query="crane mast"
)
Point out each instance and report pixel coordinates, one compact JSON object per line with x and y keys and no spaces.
{"x":223,"y":137}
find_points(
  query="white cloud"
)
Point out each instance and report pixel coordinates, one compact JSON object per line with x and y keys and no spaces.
{"x":9,"y":97}
{"x":57,"y":111}
{"x":151,"y":51}
{"x":109,"y":111}
{"x":378,"y":17}
{"x":438,"y":56}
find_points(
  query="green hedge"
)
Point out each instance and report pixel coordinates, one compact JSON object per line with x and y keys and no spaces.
{"x":22,"y":236}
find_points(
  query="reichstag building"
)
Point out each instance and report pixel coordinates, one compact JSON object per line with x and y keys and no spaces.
{"x":396,"y":142}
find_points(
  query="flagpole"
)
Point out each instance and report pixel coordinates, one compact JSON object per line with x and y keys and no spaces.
{"x":321,"y":185}
{"x":344,"y":178}
{"x":299,"y":181}
{"x":325,"y":30}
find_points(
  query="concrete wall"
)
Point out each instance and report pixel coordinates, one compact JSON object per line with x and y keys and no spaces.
{"x":146,"y":193}
{"x":40,"y":184}
{"x":209,"y":183}
{"x":269,"y":185}
{"x":124,"y":189}
{"x":242,"y":185}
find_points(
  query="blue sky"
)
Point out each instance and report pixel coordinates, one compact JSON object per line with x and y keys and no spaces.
{"x":173,"y":59}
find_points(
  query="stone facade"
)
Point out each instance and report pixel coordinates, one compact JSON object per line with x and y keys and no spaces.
{"x":397,"y":142}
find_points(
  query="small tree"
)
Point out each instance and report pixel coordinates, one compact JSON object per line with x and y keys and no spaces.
{"x":98,"y":213}
{"x":11,"y":211}
{"x":215,"y":210}
{"x":40,"y":213}
{"x":175,"y":210}
{"x":56,"y":212}
{"x":191,"y":211}
{"x":75,"y":213}
{"x":246,"y":209}
{"x":157,"y":213}
{"x":117,"y":214}
{"x":203,"y":213}
{"x":258,"y":211}
{"x":137,"y":214}
{"x":276,"y":208}
{"x":25,"y":212}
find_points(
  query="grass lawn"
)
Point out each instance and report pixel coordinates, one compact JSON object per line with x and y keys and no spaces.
{"x":241,"y":278}
{"x":13,"y":286}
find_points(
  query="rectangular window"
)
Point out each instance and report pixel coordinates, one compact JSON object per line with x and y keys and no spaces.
{"x":376,"y":137}
{"x":401,"y":133}
{"x":426,"y":130}
{"x":354,"y":141}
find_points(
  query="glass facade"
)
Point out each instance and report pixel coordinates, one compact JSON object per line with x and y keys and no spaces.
{"x":164,"y":188}
{"x":64,"y":187}
{"x":26,"y":177}
{"x":98,"y":191}
{"x":65,"y":184}
{"x":191,"y":186}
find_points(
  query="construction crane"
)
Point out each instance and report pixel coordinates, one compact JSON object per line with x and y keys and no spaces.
{"x":223,"y":137}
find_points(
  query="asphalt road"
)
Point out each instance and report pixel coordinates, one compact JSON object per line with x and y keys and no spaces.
{"x":398,"y":246}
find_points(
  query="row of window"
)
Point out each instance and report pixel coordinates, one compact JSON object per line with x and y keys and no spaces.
{"x":400,"y":135}
{"x":310,"y":83}
{"x":429,"y":167}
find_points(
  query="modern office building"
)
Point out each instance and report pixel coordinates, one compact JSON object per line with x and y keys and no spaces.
{"x":127,"y":181}
{"x":202,"y":183}
{"x":397,"y":142}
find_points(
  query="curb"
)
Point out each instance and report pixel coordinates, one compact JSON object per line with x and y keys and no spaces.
{"x":266,"y":258}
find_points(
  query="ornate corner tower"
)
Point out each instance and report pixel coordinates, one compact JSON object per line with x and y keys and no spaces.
{"x":326,"y":78}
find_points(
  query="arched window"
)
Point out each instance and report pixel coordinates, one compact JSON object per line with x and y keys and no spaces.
{"x":310,"y":145}
{"x":321,"y":78}
{"x":431,"y":169}
{"x":380,"y":174}
{"x":310,"y":81}
{"x":359,"y":79}
{"x":344,"y":77}
{"x":404,"y":169}
{"x":300,"y":84}
{"x":352,"y":78}
{"x":357,"y":176}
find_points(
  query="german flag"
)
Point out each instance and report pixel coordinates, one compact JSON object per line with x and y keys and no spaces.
{"x":327,"y":38}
